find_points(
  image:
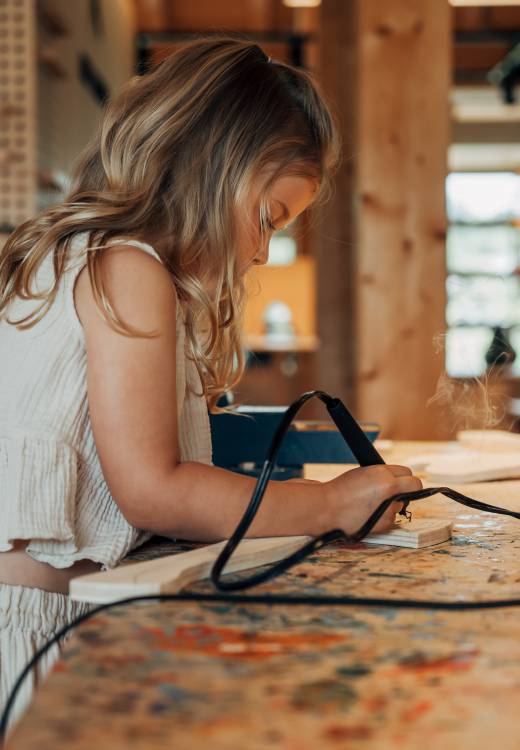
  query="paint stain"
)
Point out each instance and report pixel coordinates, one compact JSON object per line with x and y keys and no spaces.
{"x":113,"y":662}
{"x":387,"y":614}
{"x":177,"y":694}
{"x":461,"y":541}
{"x":356,"y":670}
{"x":122,"y":703}
{"x":127,"y":668}
{"x":340,"y":733}
{"x":421,"y":663}
{"x":97,"y":621}
{"x":94,"y":637}
{"x":416,"y":710}
{"x":273,"y":736}
{"x":328,"y":693}
{"x":60,"y":666}
{"x":376,"y":704}
{"x":235,"y":643}
{"x":158,"y":708}
{"x":341,"y":620}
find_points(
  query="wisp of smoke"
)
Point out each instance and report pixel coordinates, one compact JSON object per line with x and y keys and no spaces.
{"x":471,"y":403}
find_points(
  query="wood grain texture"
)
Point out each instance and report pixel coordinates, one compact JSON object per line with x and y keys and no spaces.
{"x":416,"y":533}
{"x":335,"y":230}
{"x":205,"y":15}
{"x":403,"y":127}
{"x":382,"y":264}
{"x":173,"y":573}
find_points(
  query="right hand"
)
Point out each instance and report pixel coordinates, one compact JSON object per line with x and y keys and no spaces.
{"x":353,"y":496}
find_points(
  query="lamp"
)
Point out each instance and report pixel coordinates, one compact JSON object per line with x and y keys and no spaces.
{"x":302,"y":3}
{"x":482,"y":3}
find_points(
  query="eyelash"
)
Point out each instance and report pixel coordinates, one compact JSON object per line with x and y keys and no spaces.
{"x":269,"y":224}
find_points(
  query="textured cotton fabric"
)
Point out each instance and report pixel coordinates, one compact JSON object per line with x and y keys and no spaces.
{"x":52,"y":489}
{"x":28,"y":619}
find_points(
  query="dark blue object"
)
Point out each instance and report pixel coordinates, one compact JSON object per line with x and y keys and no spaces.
{"x":241,"y":442}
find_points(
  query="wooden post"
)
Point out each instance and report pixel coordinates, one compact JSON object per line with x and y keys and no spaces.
{"x":335,"y":234}
{"x":381,"y":240}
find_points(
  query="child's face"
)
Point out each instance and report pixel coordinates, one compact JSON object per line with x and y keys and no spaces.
{"x":287,"y":198}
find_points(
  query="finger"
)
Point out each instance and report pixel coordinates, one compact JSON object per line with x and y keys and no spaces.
{"x":396,"y":507}
{"x":387,"y":520}
{"x":408,"y":484}
{"x":399,"y":471}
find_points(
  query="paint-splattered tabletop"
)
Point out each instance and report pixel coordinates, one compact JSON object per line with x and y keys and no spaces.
{"x":252,"y":677}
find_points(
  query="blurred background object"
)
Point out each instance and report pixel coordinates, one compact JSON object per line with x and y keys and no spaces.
{"x":18,"y":116}
{"x":404,"y":277}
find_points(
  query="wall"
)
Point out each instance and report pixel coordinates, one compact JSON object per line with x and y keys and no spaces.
{"x":67,"y":109}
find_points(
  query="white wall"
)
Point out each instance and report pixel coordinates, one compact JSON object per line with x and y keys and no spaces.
{"x":67,"y":111}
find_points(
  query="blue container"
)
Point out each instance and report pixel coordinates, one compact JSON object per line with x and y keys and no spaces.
{"x":241,"y":441}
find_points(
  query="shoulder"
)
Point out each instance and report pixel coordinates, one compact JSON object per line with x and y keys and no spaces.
{"x":139,"y":288}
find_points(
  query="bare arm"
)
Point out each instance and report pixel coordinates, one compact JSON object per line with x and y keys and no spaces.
{"x":132,"y":403}
{"x":212,"y":501}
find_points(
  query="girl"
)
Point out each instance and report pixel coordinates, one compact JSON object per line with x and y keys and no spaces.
{"x":120,"y":317}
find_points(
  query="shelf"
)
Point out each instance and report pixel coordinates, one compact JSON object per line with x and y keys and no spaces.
{"x":489,"y":325}
{"x":485,"y":113}
{"x":289,"y":344}
{"x":482,"y":274}
{"x":491,"y":224}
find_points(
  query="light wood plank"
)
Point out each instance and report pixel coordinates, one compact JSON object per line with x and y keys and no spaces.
{"x":173,"y":572}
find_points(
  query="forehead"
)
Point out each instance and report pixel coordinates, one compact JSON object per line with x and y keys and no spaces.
{"x":290,"y":195}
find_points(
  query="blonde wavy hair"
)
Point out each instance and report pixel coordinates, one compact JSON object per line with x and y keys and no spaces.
{"x":173,"y":164}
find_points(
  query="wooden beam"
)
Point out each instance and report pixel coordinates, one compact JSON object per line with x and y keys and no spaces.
{"x":206,"y":15}
{"x":335,"y":233}
{"x":382,"y":241}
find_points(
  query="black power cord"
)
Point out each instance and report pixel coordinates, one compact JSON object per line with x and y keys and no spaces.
{"x":366,"y":455}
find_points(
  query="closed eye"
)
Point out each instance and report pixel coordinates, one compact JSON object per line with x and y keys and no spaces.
{"x":269,"y":225}
{"x":284,"y":215}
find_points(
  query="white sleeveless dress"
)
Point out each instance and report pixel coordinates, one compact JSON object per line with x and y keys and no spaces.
{"x":52,"y":489}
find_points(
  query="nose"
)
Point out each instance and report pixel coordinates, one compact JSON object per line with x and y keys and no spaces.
{"x":262,"y":255}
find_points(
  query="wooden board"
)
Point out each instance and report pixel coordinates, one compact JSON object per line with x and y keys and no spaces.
{"x":473,"y":466}
{"x":417,"y":533}
{"x":478,"y":456}
{"x":489,"y":440}
{"x":173,"y":572}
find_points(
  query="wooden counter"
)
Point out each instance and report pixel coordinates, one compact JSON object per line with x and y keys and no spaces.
{"x":223,"y":676}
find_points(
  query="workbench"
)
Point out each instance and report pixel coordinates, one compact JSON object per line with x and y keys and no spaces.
{"x":251,"y":677}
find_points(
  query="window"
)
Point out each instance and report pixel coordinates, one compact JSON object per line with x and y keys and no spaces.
{"x":483,"y":263}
